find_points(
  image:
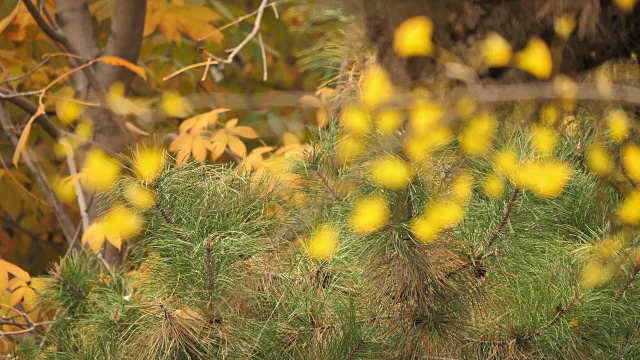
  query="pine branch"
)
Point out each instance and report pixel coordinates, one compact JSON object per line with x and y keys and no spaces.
{"x":169,"y":221}
{"x":628,"y":282}
{"x":505,"y":217}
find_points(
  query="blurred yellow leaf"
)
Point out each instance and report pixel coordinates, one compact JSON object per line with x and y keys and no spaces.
{"x":496,"y":50}
{"x":535,"y":59}
{"x":413,"y":37}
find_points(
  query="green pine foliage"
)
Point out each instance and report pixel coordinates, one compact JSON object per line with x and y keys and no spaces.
{"x":221,"y":270}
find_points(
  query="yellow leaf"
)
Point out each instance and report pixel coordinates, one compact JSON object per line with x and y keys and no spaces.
{"x":376,"y":86}
{"x":598,"y":160}
{"x":629,"y":210}
{"x":544,"y":139}
{"x":424,"y":230}
{"x":14,"y":270}
{"x":323,"y":243}
{"x":389,"y":120}
{"x":148,"y":163}
{"x":120,"y":223}
{"x":229,"y":125}
{"x":413,"y":37}
{"x":631,"y":161}
{"x":535,"y":59}
{"x":22,"y":142}
{"x":139,"y":196}
{"x":237,"y":146}
{"x":370,"y":214}
{"x":4,"y":278}
{"x":391,"y":172}
{"x":217,"y":149}
{"x":199,"y":148}
{"x":349,"y":148}
{"x":618,"y":124}
{"x":100,"y":170}
{"x":626,"y":5}
{"x":493,"y":186}
{"x":182,"y":145}
{"x":245,"y":132}
{"x":65,"y":190}
{"x":462,"y":188}
{"x":95,"y":235}
{"x":545,"y":179}
{"x":564,"y":25}
{"x":355,"y":120}
{"x":476,"y":138}
{"x":118,"y":61}
{"x":172,"y":104}
{"x":16,"y":295}
{"x":496,"y":50}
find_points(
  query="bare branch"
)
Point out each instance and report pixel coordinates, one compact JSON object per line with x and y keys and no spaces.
{"x":40,"y":177}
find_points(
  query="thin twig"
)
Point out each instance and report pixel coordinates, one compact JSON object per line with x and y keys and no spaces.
{"x":628,"y":282}
{"x":40,"y":177}
{"x":208,"y":259}
{"x":6,"y":73}
{"x":27,"y":74}
{"x":82,"y":203}
{"x":505,"y":217}
{"x":264,"y":57}
{"x":336,"y":196}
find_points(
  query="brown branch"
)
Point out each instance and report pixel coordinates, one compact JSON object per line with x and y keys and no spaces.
{"x":42,"y":23}
{"x":481,"y":255}
{"x":169,"y":221}
{"x":558,"y":314}
{"x":336,"y":196}
{"x":208,"y":258}
{"x":30,"y":108}
{"x":27,"y":74}
{"x":125,"y":40}
{"x":505,"y":217}
{"x":40,"y":177}
{"x":628,"y":282}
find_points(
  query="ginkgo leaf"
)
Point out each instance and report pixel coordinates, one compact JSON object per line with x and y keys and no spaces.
{"x":237,"y":146}
{"x":118,"y":61}
{"x":22,"y":142}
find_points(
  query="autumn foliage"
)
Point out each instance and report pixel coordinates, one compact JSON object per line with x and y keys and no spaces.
{"x":458,"y":216}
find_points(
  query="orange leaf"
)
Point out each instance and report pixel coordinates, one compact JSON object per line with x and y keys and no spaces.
{"x":199,"y":148}
{"x":118,"y":61}
{"x":22,"y":143}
